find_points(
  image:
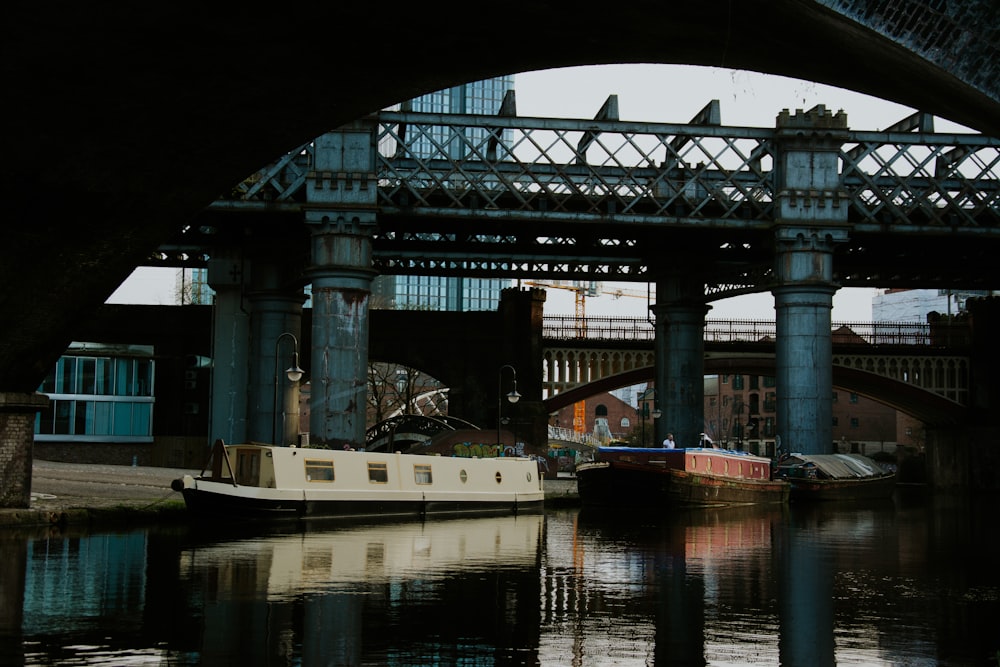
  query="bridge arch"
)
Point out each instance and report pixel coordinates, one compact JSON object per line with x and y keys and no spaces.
{"x":919,"y":403}
{"x":195,"y":129}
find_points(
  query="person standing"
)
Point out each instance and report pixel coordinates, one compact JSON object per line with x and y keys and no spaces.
{"x":668,"y":442}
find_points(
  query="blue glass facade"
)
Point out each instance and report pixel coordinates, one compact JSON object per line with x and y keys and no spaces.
{"x":99,"y":394}
{"x":437,"y":292}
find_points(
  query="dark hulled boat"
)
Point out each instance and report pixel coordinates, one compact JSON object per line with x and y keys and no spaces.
{"x":696,"y":477}
{"x":817,"y":477}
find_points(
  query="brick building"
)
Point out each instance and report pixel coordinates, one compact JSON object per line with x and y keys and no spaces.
{"x":740,"y":413}
{"x":604,"y":415}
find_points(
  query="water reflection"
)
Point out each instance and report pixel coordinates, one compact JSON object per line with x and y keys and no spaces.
{"x":892,"y":584}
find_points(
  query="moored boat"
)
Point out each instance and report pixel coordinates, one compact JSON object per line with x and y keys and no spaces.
{"x":835,"y":477}
{"x":258,"y":480}
{"x":694,"y":477}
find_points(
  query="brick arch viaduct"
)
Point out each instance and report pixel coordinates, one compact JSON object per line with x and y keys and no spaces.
{"x":932,"y":410}
{"x":125,"y":124}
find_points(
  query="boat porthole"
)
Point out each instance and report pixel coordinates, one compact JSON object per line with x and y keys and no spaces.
{"x":463,"y":476}
{"x":528,"y":476}
{"x":726,"y":466}
{"x":499,"y":477}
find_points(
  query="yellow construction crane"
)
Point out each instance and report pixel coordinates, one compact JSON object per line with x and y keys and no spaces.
{"x":617,"y":292}
{"x":583,"y":290}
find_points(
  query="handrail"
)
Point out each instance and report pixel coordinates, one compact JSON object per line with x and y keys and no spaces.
{"x":615,"y":328}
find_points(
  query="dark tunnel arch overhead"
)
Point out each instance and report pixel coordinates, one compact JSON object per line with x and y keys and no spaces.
{"x":163,"y":121}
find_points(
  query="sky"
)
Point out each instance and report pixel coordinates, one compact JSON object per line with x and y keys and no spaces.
{"x":654,"y":93}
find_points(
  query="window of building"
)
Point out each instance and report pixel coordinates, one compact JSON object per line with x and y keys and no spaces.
{"x":601,"y":410}
{"x":834,"y":397}
{"x":855,"y":422}
{"x":754,"y":382}
{"x":725,"y":379}
{"x":737,"y":382}
{"x":854,"y":397}
{"x":99,"y":397}
{"x":835,"y":421}
{"x":626,"y":422}
{"x":754,"y":400}
{"x":768,"y":381}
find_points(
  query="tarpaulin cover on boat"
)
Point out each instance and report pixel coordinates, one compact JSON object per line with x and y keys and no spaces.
{"x":838,"y":466}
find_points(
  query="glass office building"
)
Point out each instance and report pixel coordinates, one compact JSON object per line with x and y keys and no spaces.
{"x":99,"y":393}
{"x":437,"y":292}
{"x":414,"y":292}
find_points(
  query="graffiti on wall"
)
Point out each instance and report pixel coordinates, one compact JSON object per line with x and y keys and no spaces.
{"x":482,"y":451}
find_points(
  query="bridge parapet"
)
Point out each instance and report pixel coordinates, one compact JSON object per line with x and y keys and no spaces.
{"x":614,"y":329}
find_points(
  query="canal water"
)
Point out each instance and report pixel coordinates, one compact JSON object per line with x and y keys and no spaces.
{"x":913,"y":581}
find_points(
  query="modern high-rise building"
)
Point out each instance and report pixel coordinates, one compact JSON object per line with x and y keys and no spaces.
{"x":414,"y":292}
{"x":913,"y":305}
{"x":438,"y":292}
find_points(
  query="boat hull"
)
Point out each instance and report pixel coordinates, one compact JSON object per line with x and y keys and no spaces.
{"x":260,"y":481}
{"x":877,"y":488}
{"x":835,"y":477}
{"x":624,"y":484}
{"x":202,"y":501}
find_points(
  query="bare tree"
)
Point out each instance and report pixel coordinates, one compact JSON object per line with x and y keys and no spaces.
{"x":398,"y":389}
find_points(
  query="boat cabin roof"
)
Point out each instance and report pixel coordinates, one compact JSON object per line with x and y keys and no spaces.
{"x":836,"y":466}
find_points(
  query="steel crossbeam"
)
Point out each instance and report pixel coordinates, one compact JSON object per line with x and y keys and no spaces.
{"x":504,"y":196}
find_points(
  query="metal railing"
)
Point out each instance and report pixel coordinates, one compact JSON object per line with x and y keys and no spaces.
{"x":635,"y":171}
{"x":604,"y":328}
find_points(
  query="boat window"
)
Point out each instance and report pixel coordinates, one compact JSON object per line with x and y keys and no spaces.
{"x":378,"y":473}
{"x":422,"y":474}
{"x":499,"y":477}
{"x":464,"y":476}
{"x":319,"y":471}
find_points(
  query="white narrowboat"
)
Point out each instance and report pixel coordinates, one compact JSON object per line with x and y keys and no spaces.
{"x":259,"y":480}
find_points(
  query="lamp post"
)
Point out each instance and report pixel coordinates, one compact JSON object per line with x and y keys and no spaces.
{"x":643,"y":415}
{"x":513,"y":397}
{"x":294,"y":374}
{"x":656,"y":415}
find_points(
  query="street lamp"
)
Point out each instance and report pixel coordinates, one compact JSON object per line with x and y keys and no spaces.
{"x":644,"y":414}
{"x":513,"y":397}
{"x":293,"y":373}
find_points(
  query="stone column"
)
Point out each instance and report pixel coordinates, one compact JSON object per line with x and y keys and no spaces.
{"x":521,"y":344}
{"x":680,"y":360}
{"x":17,"y":437}
{"x":341,"y":287}
{"x":275,"y":329}
{"x":341,"y":194}
{"x":811,"y":221}
{"x":230,"y":352}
